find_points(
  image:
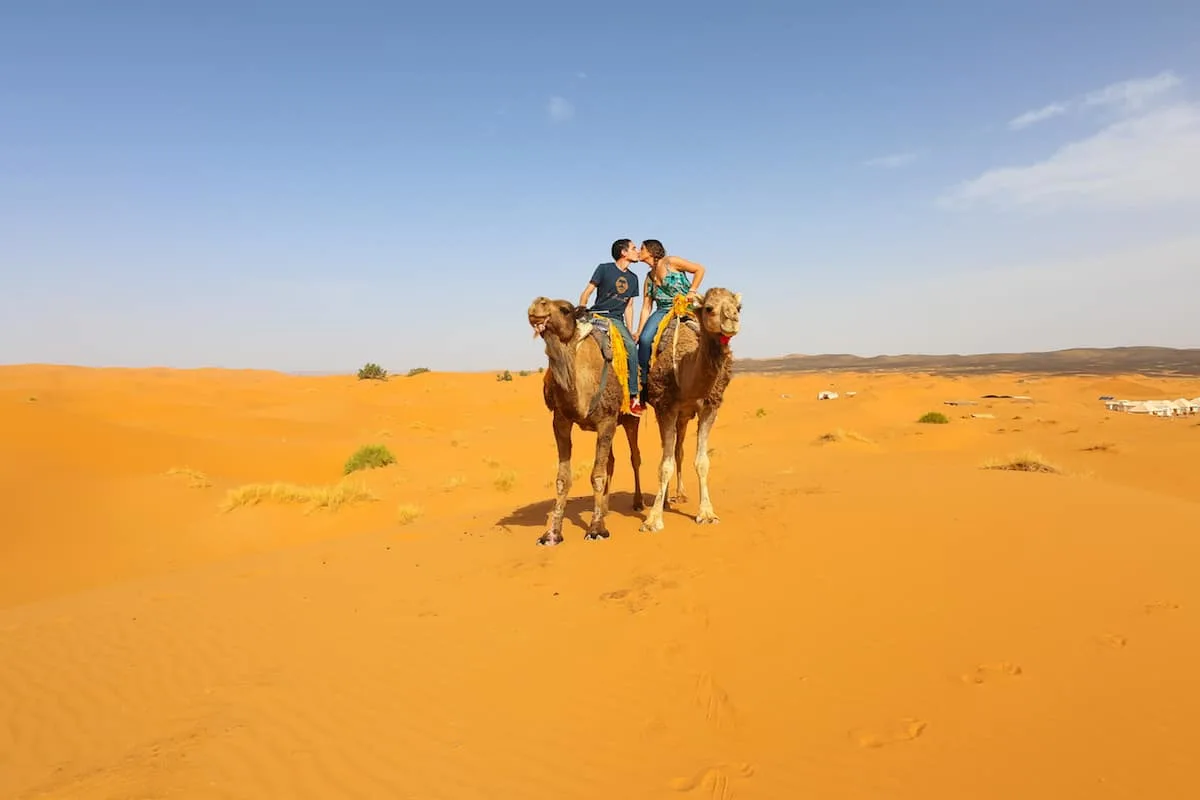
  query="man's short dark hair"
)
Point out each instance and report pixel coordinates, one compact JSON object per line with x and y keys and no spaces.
{"x":619,"y":247}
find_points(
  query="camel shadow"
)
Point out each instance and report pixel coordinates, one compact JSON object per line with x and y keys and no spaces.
{"x":536,"y":514}
{"x":619,"y":503}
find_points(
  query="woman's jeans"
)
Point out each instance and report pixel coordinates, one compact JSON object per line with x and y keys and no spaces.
{"x":646,"y":344}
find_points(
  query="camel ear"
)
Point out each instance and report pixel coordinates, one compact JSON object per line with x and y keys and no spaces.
{"x":737,"y":298}
{"x":580,"y":313}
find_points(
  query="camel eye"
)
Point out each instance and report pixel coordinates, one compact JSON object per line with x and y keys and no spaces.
{"x":566,"y":309}
{"x":708,"y":309}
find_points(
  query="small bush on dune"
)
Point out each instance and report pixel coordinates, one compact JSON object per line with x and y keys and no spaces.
{"x":371,"y":456}
{"x":934,"y":418}
{"x":504,"y":376}
{"x":417,"y":371}
{"x":372,"y":372}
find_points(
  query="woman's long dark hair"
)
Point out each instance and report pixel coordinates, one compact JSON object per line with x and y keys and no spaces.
{"x":658,"y":253}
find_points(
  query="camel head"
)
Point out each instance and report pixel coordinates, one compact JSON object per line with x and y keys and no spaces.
{"x":556,"y":318}
{"x":720,"y":314}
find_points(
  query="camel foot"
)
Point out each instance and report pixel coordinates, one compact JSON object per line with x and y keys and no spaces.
{"x":593,"y":536}
{"x":707,"y":516}
{"x":651,"y":526}
{"x":678,"y":499}
{"x":549,"y":539}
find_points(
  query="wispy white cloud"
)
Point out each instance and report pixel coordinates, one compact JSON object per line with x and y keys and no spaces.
{"x":1132,"y":95}
{"x":1037,"y":115}
{"x":1124,"y":96}
{"x":1148,"y":159}
{"x":892,"y":161}
{"x":559,"y":109}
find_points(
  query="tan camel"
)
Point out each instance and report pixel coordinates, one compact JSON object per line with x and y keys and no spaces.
{"x":580,"y":388}
{"x":692,"y":367}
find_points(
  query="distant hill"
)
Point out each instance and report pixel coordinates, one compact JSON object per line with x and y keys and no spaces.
{"x":1080,"y":361}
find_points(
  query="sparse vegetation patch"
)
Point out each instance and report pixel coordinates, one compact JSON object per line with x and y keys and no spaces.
{"x":505,"y":480}
{"x":417,"y":371}
{"x":840,"y":435}
{"x":1025,"y":462}
{"x":312,"y":497}
{"x":195,"y":478}
{"x":407,"y":513}
{"x":934,"y":418}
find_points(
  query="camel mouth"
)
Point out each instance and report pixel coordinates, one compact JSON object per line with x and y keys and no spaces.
{"x":538,"y":323}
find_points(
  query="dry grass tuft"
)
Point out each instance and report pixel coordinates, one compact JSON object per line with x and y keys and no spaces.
{"x":841,"y":435}
{"x":1028,"y":461}
{"x":505,"y":481}
{"x":1102,"y":447}
{"x":195,"y":478}
{"x":313,"y":498}
{"x":407,"y":513}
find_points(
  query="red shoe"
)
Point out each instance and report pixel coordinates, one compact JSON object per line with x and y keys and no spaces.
{"x":636,"y":408}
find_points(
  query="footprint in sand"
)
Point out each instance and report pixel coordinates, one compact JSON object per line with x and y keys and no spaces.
{"x":714,"y":782}
{"x":1114,"y":641}
{"x":641,"y":594}
{"x":714,"y":702}
{"x":902,"y":730}
{"x":1158,"y":608}
{"x":989,"y":673}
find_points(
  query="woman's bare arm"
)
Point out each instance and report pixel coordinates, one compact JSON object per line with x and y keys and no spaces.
{"x":683,"y":265}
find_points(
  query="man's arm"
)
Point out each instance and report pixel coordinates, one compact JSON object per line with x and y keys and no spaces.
{"x":587,"y":293}
{"x":593,"y":284}
{"x":629,"y":324}
{"x":645,"y":311}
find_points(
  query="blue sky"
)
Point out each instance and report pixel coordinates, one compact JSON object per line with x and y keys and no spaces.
{"x":309,"y":186}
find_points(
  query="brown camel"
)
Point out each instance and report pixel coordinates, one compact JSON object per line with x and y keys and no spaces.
{"x":692,"y":367}
{"x":581,"y":388}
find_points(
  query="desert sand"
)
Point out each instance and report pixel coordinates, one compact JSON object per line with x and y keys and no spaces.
{"x":876,"y":615}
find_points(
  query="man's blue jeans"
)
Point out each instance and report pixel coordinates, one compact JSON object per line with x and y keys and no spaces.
{"x":631,"y":353}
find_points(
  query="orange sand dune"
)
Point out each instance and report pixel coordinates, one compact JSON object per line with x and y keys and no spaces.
{"x":876,"y":616}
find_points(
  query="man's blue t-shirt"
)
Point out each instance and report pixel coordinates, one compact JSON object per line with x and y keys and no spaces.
{"x":614,"y":288}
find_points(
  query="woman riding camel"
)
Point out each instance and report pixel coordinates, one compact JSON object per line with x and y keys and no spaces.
{"x":667,"y":278}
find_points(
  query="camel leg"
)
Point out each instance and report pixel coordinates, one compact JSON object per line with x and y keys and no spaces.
{"x":680,"y":434}
{"x":609,"y":469}
{"x":562,"y":483}
{"x":667,"y":432}
{"x":601,"y":472}
{"x":631,"y":423}
{"x":708,"y":416}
